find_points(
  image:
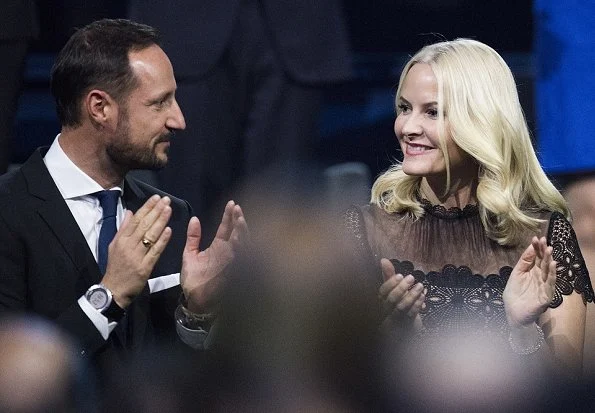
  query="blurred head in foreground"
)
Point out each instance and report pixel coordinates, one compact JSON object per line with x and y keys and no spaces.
{"x":37,"y":369}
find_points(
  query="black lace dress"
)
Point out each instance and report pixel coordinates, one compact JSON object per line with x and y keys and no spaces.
{"x":463,"y":271}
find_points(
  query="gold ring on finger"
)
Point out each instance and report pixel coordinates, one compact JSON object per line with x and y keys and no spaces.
{"x":147,"y":243}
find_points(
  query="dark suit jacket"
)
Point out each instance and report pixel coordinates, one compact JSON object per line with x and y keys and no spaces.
{"x":46,"y":264}
{"x":310,"y":35}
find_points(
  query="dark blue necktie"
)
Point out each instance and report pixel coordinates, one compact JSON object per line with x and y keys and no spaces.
{"x":109,"y":203}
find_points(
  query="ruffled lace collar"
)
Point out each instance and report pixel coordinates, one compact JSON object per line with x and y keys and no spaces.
{"x":451,"y":213}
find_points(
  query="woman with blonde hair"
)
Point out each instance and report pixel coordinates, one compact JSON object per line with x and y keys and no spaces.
{"x":471,"y":237}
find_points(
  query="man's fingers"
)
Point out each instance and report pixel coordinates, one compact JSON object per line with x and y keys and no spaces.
{"x":152,"y":220}
{"x":193,"y":234}
{"x":155,"y":251}
{"x":125,"y":222}
{"x":131,"y":227}
{"x":239,"y":233}
{"x":226,"y":226}
{"x":153,"y":233}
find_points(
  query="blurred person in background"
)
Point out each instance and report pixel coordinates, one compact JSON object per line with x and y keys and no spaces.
{"x":477,"y":267}
{"x":296,"y":330}
{"x":18,"y":27}
{"x":251,"y":75}
{"x":40,"y":371}
{"x":565,"y":90}
{"x":301,"y":313}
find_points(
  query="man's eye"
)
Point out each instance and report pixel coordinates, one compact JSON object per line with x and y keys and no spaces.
{"x":160,"y":103}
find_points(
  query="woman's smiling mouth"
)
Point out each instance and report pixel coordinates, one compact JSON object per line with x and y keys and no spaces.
{"x":417,"y":149}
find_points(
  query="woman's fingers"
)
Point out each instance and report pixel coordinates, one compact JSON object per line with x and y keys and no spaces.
{"x":388,"y":269}
{"x":400,"y":295}
{"x":546,"y":263}
{"x":409,"y":298}
{"x":552,"y":274}
{"x":404,"y":294}
{"x":418,"y":305}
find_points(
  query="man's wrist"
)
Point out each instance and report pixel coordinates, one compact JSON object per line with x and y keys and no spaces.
{"x":101,"y":298}
{"x":193,"y":329}
{"x":191,"y":320}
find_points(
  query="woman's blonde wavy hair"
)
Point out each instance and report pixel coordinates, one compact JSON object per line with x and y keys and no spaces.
{"x":478,"y":95}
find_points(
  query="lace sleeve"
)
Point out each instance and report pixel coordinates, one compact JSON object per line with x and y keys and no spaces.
{"x":572,"y":274}
{"x":355,"y":231}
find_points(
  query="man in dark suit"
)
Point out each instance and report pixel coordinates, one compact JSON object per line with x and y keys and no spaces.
{"x":18,"y":27}
{"x":115,"y":93}
{"x":251,"y":79}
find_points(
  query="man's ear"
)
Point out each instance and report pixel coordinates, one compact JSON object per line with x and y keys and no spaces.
{"x":101,"y":109}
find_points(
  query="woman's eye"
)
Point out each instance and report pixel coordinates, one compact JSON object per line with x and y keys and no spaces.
{"x":402,"y":108}
{"x":433,"y":113}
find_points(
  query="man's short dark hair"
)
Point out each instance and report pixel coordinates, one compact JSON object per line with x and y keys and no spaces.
{"x":96,"y":56}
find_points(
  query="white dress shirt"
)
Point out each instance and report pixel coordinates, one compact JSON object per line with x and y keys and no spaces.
{"x":77,"y":188}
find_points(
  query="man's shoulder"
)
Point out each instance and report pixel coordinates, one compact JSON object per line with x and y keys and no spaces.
{"x":31,"y":177}
{"x":12,"y":184}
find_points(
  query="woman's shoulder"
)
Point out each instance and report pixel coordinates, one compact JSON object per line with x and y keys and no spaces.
{"x":369,"y":214}
{"x":572,"y":273}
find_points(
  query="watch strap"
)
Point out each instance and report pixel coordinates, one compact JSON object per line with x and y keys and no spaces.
{"x":114,"y":312}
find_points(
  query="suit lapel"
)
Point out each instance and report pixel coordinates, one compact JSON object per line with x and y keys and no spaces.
{"x":134,"y":197}
{"x":53,"y":210}
{"x":51,"y":207}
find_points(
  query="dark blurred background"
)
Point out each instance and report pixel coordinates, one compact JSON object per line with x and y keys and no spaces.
{"x":357,"y":120}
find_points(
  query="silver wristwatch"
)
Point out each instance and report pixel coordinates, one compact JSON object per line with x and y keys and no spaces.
{"x":100,"y":297}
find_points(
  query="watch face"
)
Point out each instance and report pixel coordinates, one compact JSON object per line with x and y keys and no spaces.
{"x":98,"y":299}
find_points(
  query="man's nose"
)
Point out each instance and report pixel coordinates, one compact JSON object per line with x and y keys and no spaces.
{"x":176,"y":118}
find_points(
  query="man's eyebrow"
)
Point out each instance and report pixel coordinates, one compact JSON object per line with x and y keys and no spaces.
{"x":160,"y":97}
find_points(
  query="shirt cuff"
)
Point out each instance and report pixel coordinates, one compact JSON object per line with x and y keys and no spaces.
{"x":100,"y":321}
{"x":164,"y":282}
{"x":193,"y":334}
{"x":196,"y":339}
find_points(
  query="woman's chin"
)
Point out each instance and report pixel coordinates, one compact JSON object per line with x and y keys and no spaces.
{"x":415,"y":170}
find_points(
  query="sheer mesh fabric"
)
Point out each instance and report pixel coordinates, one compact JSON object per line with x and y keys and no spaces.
{"x":463,"y":271}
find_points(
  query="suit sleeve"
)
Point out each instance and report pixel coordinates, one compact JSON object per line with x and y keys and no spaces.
{"x":18,"y":295}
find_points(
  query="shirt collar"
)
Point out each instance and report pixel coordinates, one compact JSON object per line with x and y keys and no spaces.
{"x":71,"y":181}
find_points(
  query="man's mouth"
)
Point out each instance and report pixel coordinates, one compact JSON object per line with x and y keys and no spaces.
{"x":164,"y":138}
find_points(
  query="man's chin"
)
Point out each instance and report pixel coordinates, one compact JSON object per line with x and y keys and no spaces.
{"x":158,"y":160}
{"x":154,"y":164}
{"x":158,"y":164}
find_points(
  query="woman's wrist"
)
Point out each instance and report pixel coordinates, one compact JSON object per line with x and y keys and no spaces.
{"x":525,"y":340}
